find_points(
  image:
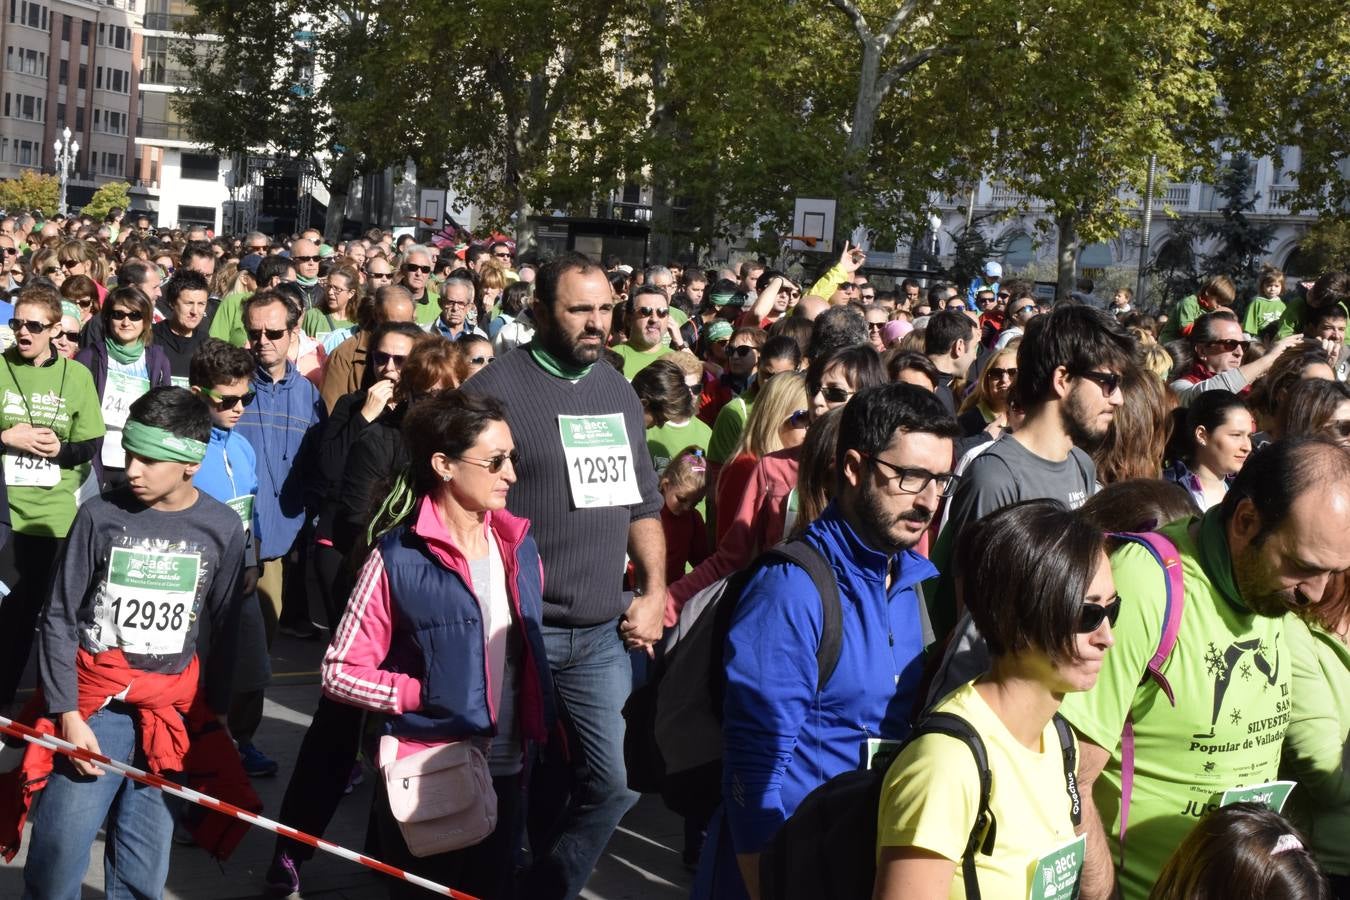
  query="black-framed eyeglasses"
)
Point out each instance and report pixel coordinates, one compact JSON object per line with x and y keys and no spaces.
{"x":908,"y":480}
{"x":30,"y":326}
{"x":1093,"y":615}
{"x":414,"y":267}
{"x":260,"y":248}
{"x":502,"y":255}
{"x":223,"y":402}
{"x":494,"y":464}
{"x":255,"y":335}
{"x":379,"y":359}
{"x":643,"y":312}
{"x":117,"y":315}
{"x":875,"y":326}
{"x":1109,"y":382}
{"x":836,"y":394}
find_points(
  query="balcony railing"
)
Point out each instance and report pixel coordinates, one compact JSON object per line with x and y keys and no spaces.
{"x":158,"y":74}
{"x":168,"y":131}
{"x":1174,"y":196}
{"x":1279,"y":197}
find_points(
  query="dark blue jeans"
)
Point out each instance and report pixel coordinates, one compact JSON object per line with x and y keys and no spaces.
{"x":72,"y":808}
{"x":578,"y":795}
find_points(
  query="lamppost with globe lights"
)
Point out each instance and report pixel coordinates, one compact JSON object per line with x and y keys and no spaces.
{"x":66,"y":151}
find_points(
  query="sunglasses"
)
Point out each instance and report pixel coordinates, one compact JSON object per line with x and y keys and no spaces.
{"x":50,"y":270}
{"x":695,"y":389}
{"x":836,"y":394}
{"x":1022,"y":309}
{"x":8,"y":251}
{"x":1004,"y":296}
{"x":379,"y":359}
{"x":643,"y":312}
{"x":72,"y":336}
{"x":304,"y":259}
{"x":494,"y":464}
{"x":72,"y":263}
{"x":1092,"y":615}
{"x":875,"y":326}
{"x":1109,"y":382}
{"x":997,"y":373}
{"x":223,"y":402}
{"x":799,"y":419}
{"x":117,"y":315}
{"x":260,"y":248}
{"x":414,"y":267}
{"x":29,"y":325}
{"x":255,"y":335}
{"x":379,"y":274}
{"x":1230,"y":345}
{"x":742,"y":350}
{"x":481,"y":360}
{"x":502,"y":255}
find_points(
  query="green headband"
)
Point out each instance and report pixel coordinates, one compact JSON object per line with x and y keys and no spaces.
{"x":160,"y":444}
{"x":722,"y":299}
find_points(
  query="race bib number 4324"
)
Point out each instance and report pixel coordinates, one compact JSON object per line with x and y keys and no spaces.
{"x":599,"y":461}
{"x":147,"y":604}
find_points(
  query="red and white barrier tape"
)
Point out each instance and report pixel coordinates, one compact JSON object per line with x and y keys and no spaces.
{"x":54,"y":743}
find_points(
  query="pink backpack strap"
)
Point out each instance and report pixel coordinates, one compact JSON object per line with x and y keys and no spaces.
{"x":1165,"y":552}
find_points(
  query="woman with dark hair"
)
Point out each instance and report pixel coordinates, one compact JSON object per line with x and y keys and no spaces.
{"x":1039,"y":588}
{"x":913,"y":367}
{"x":1317,"y":406}
{"x":337,"y":307}
{"x":125,"y":366}
{"x":669,"y":409}
{"x":1140,"y":504}
{"x":81,"y":291}
{"x":815,"y":474}
{"x":442,"y":635}
{"x":1210,"y":445}
{"x":834,"y":378}
{"x":1135,"y":444}
{"x":1245,"y":851}
{"x":1269,"y":392}
{"x":475,"y":352}
{"x":515,"y":299}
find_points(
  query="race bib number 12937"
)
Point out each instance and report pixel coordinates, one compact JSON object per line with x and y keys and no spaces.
{"x":599,"y":461}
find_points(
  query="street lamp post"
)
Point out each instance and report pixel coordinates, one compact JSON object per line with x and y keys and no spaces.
{"x":66,"y":151}
{"x":934,"y":223}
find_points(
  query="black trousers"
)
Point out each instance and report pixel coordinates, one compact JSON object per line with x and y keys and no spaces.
{"x":34,"y":559}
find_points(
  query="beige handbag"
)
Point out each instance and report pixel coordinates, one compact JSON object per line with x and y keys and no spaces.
{"x":441,"y":797}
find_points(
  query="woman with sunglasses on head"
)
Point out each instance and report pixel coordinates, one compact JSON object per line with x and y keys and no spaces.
{"x":125,"y":365}
{"x":49,"y":426}
{"x":445,"y":626}
{"x":1039,"y":588}
{"x":1211,"y":442}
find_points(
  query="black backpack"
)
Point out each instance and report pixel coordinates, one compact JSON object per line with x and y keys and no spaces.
{"x":827,"y":847}
{"x":673,"y":742}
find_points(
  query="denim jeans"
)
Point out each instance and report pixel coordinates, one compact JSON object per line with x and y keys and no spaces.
{"x":72,"y":808}
{"x":577,"y":798}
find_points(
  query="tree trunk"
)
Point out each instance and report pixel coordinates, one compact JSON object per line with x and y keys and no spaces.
{"x":523,"y":226}
{"x":339,"y":187}
{"x":1067,"y":223}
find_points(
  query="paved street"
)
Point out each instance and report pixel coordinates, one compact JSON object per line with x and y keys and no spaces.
{"x":643,"y":860}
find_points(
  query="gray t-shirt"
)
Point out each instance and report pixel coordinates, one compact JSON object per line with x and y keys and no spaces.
{"x":1008,"y":472}
{"x":504,"y":756}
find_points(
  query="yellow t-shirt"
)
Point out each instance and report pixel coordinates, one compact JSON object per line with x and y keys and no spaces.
{"x":931,"y":795}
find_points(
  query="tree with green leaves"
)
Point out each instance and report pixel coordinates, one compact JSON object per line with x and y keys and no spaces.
{"x":1326,"y":245}
{"x":30,"y":192}
{"x":1240,"y":243}
{"x":114,"y":193}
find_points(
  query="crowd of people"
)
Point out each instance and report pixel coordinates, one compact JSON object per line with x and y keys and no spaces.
{"x":1103,"y":551}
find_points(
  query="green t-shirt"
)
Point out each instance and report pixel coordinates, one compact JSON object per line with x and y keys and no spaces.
{"x":426,"y":313}
{"x":727,"y":428}
{"x":62,"y":397}
{"x":228,"y":322}
{"x":667,"y":440}
{"x":1230,"y":672}
{"x":1261,"y":311}
{"x":634,"y":361}
{"x":1184,"y":313}
{"x":318,"y":325}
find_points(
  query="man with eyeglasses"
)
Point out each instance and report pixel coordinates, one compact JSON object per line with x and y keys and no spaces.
{"x":1219,"y":346}
{"x":784,"y":731}
{"x":455,"y":300}
{"x":876,"y":322}
{"x":415,"y":275}
{"x":283,"y":423}
{"x":1214,"y":715}
{"x":305,"y":258}
{"x":9,"y":255}
{"x":987,"y":280}
{"x":648,"y":322}
{"x":228,"y":322}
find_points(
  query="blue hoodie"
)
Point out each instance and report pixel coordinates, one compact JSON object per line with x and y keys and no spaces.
{"x":780,"y":739}
{"x":230,"y":471}
{"x":283,"y":423}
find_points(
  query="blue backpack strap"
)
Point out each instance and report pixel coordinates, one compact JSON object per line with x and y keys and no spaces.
{"x":1167,"y":556}
{"x":803,"y":554}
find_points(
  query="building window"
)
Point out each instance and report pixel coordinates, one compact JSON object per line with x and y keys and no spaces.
{"x":79,"y":118}
{"x":199,"y":167}
{"x":113,"y":163}
{"x":65,"y":28}
{"x":84,"y":76}
{"x":1019,"y":253}
{"x":22,"y":106}
{"x":63,"y":72}
{"x":34,"y":15}
{"x":85,"y":27}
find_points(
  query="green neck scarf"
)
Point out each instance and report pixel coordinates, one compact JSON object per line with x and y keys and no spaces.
{"x":126,"y":354}
{"x":556,"y":367}
{"x":306,"y":282}
{"x":1215,"y":559}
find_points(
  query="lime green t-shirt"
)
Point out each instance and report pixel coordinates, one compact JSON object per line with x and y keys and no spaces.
{"x":1230,"y":672}
{"x":668,"y":439}
{"x":931,"y":795}
{"x":319,"y":325}
{"x":634,"y":361}
{"x":1184,"y":313}
{"x":62,"y":397}
{"x":1260,"y":313}
{"x":228,"y":322}
{"x":426,"y":313}
{"x":727,"y":428}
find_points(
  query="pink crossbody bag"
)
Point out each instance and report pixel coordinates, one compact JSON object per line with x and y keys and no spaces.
{"x":441,"y":797}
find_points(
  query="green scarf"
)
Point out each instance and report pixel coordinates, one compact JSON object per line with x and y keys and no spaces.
{"x":556,"y":367}
{"x":306,"y":282}
{"x":1212,"y":541}
{"x":126,"y":354}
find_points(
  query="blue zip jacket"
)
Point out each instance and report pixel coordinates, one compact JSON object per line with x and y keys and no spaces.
{"x":780,"y":738}
{"x":283,"y":424}
{"x":230,"y":470}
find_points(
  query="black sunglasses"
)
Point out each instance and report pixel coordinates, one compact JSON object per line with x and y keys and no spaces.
{"x":379,"y":274}
{"x":494,"y":464}
{"x":50,"y":270}
{"x":29,"y":325}
{"x":643,"y":312}
{"x":836,"y":394}
{"x":1000,"y":372}
{"x":481,"y":360}
{"x":1093,"y":614}
{"x":1229,"y":345}
{"x":742,"y":350}
{"x":305,"y":259}
{"x":502,"y":255}
{"x":1109,"y":382}
{"x":118,"y":315}
{"x":379,"y":359}
{"x":255,"y":335}
{"x":9,"y":251}
{"x":72,"y":336}
{"x":223,"y":402}
{"x":414,"y":267}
